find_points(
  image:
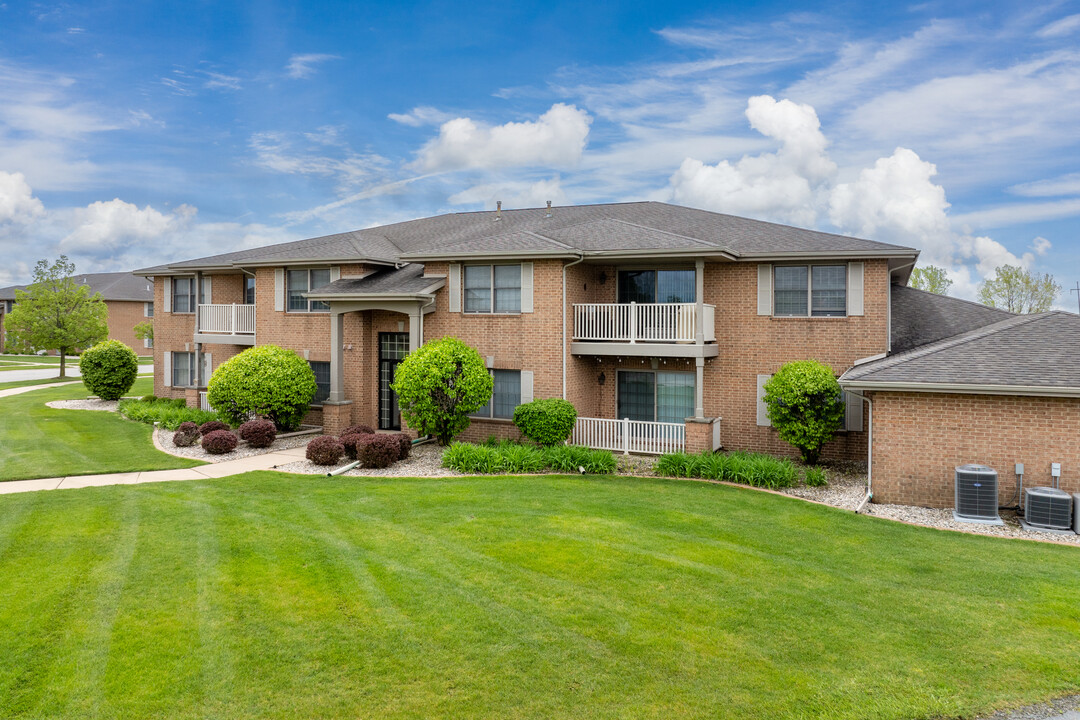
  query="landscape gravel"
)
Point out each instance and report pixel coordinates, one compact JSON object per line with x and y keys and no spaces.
{"x":163,"y":440}
{"x":88,"y":404}
{"x":1065,"y":708}
{"x":424,"y":461}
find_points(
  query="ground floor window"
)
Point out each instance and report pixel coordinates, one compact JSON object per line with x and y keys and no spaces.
{"x":505,"y":397}
{"x":322,"y":381}
{"x":183,"y":369}
{"x":655,"y":396}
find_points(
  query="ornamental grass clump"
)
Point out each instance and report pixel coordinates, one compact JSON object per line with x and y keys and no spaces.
{"x":219,"y":442}
{"x":109,"y":369}
{"x":169,"y":414}
{"x":511,"y":457}
{"x":548,"y":421}
{"x":753,"y":469}
{"x":186,"y":434}
{"x":258,"y":433}
{"x":325,"y":450}
{"x":266,"y":381}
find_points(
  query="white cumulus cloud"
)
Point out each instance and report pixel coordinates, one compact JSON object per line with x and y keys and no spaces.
{"x":17,"y":201}
{"x":555,"y":139}
{"x":778,"y":186}
{"x":104,"y":227}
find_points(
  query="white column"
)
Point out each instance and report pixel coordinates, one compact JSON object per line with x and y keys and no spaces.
{"x":699,"y":311}
{"x":416,"y":328}
{"x":337,"y":357}
{"x":699,"y":388}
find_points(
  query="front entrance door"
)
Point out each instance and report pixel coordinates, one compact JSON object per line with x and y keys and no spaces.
{"x":393,"y":347}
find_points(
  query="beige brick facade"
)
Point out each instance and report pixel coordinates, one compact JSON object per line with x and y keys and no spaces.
{"x":920,"y":438}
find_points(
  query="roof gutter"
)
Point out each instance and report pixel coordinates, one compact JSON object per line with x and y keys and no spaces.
{"x":962,"y":388}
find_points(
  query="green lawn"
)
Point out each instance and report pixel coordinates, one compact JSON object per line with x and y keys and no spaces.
{"x":277,"y":596}
{"x":37,"y":441}
{"x":44,"y":362}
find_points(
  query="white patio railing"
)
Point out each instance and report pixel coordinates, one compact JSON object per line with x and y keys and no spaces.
{"x":227,"y":319}
{"x":203,"y":403}
{"x":630,"y":436}
{"x":642,"y":322}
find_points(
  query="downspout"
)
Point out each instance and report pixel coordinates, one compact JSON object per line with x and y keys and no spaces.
{"x":869,"y":451}
{"x":581,"y":258}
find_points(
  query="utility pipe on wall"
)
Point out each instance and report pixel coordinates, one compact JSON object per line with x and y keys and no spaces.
{"x":869,"y":451}
{"x":580,"y":259}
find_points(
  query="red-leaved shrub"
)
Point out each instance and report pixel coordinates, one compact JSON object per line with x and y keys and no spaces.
{"x":209,"y":427}
{"x":406,"y":446}
{"x":357,"y":430}
{"x":350,"y":442}
{"x":325,"y":450}
{"x":186,"y":434}
{"x":258,"y":433}
{"x":378,"y":451}
{"x":219,"y":442}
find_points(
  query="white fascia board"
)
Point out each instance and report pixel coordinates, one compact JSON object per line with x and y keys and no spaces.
{"x":962,"y":388}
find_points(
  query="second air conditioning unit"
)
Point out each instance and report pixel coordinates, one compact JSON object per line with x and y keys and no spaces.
{"x":1048,"y":508}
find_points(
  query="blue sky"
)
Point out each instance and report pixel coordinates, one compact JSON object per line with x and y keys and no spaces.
{"x":134,"y":133}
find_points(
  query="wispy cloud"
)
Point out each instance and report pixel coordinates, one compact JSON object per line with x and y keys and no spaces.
{"x":323,"y":154}
{"x":303,"y":65}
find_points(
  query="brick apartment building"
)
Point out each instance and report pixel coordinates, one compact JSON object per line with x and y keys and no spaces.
{"x":129,"y":298}
{"x":659,"y":323}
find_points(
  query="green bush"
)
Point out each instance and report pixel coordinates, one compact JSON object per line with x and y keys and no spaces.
{"x":266,"y":380}
{"x":805,"y":405}
{"x":739,"y":467}
{"x":815,"y":477}
{"x":511,"y":457}
{"x":522,"y":459}
{"x":439,"y":385}
{"x":167,"y":413}
{"x":109,"y":369}
{"x":548,"y":421}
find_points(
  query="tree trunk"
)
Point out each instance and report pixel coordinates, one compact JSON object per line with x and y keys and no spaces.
{"x":62,"y":374}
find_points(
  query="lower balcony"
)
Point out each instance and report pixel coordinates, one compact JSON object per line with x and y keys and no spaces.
{"x":644,"y":329}
{"x":630,"y":436}
{"x":226,"y":324}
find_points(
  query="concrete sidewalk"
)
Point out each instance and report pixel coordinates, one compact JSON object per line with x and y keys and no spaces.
{"x":213,"y":470}
{"x":28,"y":388}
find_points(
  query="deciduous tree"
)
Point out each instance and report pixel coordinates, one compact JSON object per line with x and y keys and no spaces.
{"x":931,"y":279}
{"x":1020,"y":291}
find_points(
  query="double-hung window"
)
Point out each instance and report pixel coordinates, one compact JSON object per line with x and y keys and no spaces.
{"x":322,"y":381}
{"x":183,"y":295}
{"x":249,"y":290}
{"x":148,"y":309}
{"x":810,"y":290}
{"x":183,"y":369}
{"x":302,"y":281}
{"x":492,"y":288}
{"x":505,"y":397}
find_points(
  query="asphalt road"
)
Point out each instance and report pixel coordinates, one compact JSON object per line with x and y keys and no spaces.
{"x":71,"y":371}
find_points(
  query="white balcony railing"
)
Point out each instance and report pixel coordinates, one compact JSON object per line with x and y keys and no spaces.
{"x":630,"y":436}
{"x":227,"y":319}
{"x":203,"y":403}
{"x":642,"y":322}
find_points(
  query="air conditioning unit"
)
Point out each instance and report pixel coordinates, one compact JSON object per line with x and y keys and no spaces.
{"x":977,"y":495}
{"x":1048,"y":508}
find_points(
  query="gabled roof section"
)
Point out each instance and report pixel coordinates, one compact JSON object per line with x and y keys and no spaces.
{"x":612,"y":228}
{"x":1023,"y":354}
{"x":112,"y":286}
{"x":920,"y":317}
{"x":408,"y":280}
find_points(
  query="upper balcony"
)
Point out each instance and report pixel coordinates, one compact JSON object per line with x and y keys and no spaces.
{"x":225,"y":324}
{"x":644,"y":329}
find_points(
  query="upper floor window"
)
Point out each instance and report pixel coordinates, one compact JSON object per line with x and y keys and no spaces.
{"x":814,"y":290}
{"x":249,"y":290}
{"x":183,"y":295}
{"x":657,"y":286}
{"x":302,"y":281}
{"x":505,"y":396}
{"x":492,"y":288}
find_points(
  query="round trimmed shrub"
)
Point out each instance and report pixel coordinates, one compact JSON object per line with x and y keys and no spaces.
{"x":186,"y":434}
{"x":549,"y":421}
{"x":357,"y":430}
{"x":406,"y":446}
{"x":266,"y":380}
{"x":219,"y":442}
{"x":806,"y":406}
{"x":109,"y":369}
{"x":378,"y":451}
{"x":258,"y":433}
{"x":325,"y":450}
{"x":350,"y":442}
{"x":208,"y":427}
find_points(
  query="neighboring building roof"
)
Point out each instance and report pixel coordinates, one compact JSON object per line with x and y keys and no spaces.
{"x":407,"y":280}
{"x":1022,"y":354}
{"x":614,"y":228}
{"x":920,"y":317}
{"x":112,"y":286}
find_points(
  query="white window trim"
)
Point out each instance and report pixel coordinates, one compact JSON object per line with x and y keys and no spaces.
{"x":309,"y":270}
{"x":491,"y":287}
{"x":810,"y":289}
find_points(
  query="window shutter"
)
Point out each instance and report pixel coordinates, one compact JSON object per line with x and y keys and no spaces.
{"x":208,"y":367}
{"x":146,"y":309}
{"x":764,"y":290}
{"x":454,"y":287}
{"x":168,"y":294}
{"x":335,"y":273}
{"x":166,"y":368}
{"x":853,"y":412}
{"x":526,"y":386}
{"x":279,"y":289}
{"x":207,"y":290}
{"x":762,"y":408}
{"x":855,"y":293}
{"x":526,"y":287}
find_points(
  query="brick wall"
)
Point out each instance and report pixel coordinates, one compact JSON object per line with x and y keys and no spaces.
{"x":123,"y":317}
{"x":920,"y":438}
